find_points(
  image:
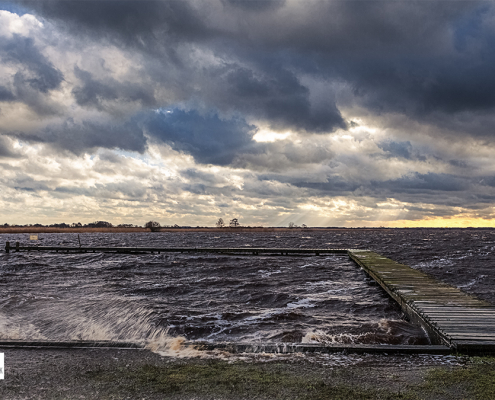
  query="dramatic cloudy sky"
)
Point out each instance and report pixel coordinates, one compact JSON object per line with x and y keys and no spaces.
{"x":328,"y":113}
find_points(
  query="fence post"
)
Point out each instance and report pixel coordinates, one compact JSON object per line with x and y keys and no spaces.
{"x":16,"y":246}
{"x":7,"y":247}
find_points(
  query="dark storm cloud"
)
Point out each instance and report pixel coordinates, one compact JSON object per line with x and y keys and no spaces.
{"x":397,"y":149}
{"x":277,"y":95}
{"x":437,"y":188}
{"x":80,"y":137}
{"x":41,"y":75}
{"x":6,"y":150}
{"x":427,"y":89}
{"x":424,"y":183}
{"x":112,"y":190}
{"x":403,"y":150}
{"x":207,"y":138}
{"x":194,"y":174}
{"x":430,"y":61}
{"x":94,"y":92}
{"x":255,"y":5}
{"x":459,"y":163}
{"x":335,"y":186}
{"x":320,"y":26}
{"x":25,"y":182}
{"x":6,"y":94}
{"x":392,"y":65}
{"x":487,"y":180}
{"x":429,"y":74}
{"x":36,"y":76}
{"x":139,"y":23}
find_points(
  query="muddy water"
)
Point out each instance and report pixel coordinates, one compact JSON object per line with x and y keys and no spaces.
{"x":229,"y":298}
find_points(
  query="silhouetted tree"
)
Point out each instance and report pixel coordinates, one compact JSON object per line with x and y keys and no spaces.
{"x":153,"y":226}
{"x":234,"y":223}
{"x":292,"y":225}
{"x":220,"y":223}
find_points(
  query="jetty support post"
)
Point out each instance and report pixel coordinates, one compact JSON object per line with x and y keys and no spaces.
{"x":7,"y":247}
{"x":16,"y":246}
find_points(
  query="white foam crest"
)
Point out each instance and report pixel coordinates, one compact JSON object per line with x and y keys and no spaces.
{"x":169,"y":346}
{"x":265,"y":273}
{"x":94,"y":321}
{"x":302,"y":303}
{"x":473,"y":282}
{"x":11,"y":328}
{"x":339,"y":338}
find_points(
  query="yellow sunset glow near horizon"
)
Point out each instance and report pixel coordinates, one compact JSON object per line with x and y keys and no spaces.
{"x":444,"y":222}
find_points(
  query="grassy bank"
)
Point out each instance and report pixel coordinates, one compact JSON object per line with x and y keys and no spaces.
{"x":131,"y":374}
{"x":222,"y":380}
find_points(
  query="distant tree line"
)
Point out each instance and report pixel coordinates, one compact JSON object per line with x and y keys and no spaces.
{"x":153,"y":225}
{"x":96,"y":224}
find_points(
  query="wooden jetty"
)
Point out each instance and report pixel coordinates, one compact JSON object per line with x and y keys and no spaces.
{"x":454,"y":320}
{"x":451,"y":317}
{"x":158,"y":250}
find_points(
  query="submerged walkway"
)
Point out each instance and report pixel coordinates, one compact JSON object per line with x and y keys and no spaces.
{"x":450,"y":316}
{"x":224,"y":250}
{"x":453,"y":319}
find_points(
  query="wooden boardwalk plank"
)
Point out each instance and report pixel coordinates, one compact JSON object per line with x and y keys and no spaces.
{"x":449,"y":315}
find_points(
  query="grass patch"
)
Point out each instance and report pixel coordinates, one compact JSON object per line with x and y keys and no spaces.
{"x":474,"y":381}
{"x":216,"y":379}
{"x":219,"y":379}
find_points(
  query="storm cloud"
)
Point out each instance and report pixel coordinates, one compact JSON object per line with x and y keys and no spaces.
{"x":207,"y":138}
{"x":363,"y":103}
{"x":420,"y":59}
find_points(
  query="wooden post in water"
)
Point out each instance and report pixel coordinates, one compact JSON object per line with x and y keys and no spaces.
{"x":7,"y":247}
{"x":16,"y":246}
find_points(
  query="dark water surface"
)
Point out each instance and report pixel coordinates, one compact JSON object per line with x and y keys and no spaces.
{"x":229,"y":298}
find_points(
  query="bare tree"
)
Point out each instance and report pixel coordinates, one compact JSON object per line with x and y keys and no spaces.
{"x":292,"y":225}
{"x":153,"y":226}
{"x":234,"y":223}
{"x":220,"y":223}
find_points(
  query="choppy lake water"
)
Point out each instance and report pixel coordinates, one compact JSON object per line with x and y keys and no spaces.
{"x":229,"y":298}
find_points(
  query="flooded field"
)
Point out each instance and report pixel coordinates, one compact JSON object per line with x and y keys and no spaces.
{"x":155,"y":297}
